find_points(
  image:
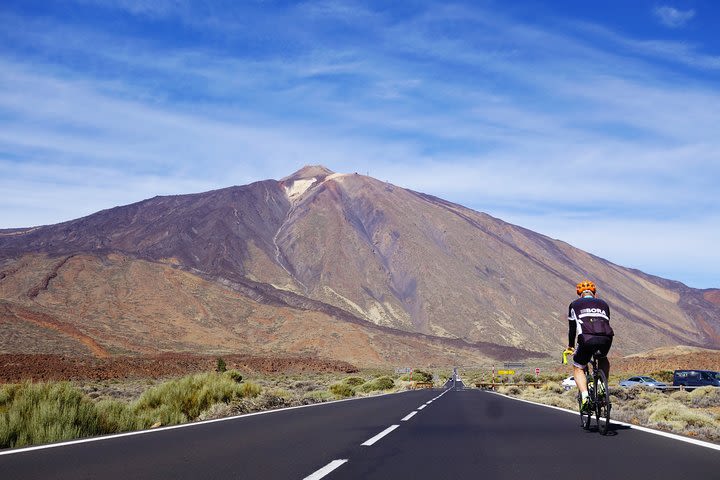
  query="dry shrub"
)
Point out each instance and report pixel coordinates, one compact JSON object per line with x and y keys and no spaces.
{"x":681,"y":396}
{"x":678,"y":416}
{"x":510,"y":390}
{"x":552,"y":387}
{"x":317,"y":396}
{"x":217,"y":410}
{"x":705,"y":397}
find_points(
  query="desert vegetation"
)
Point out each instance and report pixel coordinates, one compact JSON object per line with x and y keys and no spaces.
{"x":695,"y":414}
{"x":43,"y":412}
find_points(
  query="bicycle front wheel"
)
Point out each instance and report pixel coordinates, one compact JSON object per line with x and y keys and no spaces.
{"x":602,"y":404}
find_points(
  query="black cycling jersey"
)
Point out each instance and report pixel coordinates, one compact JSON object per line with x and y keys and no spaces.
{"x":588,"y":316}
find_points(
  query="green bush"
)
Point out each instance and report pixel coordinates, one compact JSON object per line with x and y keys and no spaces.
{"x":249,"y":390}
{"x":235,"y":375}
{"x":189,"y":396}
{"x":353,"y":381}
{"x":115,"y":417}
{"x":380,"y":383}
{"x":529,"y":378}
{"x":33,"y":413}
{"x":221,"y":366}
{"x":342,"y":390}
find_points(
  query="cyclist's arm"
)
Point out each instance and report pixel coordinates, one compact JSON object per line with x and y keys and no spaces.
{"x":572,"y":328}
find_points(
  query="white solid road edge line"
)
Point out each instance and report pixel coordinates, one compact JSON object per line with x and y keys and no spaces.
{"x":408,"y":416}
{"x":184,"y":425}
{"x":325,"y":470}
{"x":380,"y":435}
{"x":700,"y":443}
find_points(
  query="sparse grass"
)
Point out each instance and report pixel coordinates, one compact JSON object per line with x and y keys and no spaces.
{"x":685,"y":413}
{"x":32,"y":413}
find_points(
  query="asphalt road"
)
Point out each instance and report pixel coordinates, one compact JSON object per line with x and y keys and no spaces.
{"x":459,"y":434}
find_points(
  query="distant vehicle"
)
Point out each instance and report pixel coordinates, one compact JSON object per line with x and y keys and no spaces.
{"x":569,"y":383}
{"x":643,"y":382}
{"x":696,"y":378}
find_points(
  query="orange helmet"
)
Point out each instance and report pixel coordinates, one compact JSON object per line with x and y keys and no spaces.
{"x":585,"y":285}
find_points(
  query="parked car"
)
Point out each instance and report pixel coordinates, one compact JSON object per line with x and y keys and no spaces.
{"x":696,"y":378}
{"x":568,"y":383}
{"x":643,"y":381}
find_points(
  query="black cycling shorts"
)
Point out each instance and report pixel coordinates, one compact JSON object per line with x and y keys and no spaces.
{"x":588,"y":345}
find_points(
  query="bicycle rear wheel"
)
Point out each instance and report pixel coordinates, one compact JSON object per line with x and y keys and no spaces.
{"x":585,"y":416}
{"x":602,"y":403}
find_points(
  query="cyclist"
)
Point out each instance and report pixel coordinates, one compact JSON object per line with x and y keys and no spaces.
{"x":589,"y":317}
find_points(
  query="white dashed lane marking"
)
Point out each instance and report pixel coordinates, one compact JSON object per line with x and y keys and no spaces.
{"x":380,"y":435}
{"x":325,"y":470}
{"x":408,"y":416}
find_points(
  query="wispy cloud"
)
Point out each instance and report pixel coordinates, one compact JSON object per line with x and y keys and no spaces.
{"x":462,"y":102}
{"x":672,"y":17}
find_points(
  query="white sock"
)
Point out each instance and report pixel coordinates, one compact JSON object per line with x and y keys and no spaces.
{"x":584,"y":395}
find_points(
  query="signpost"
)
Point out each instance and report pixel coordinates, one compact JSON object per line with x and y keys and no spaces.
{"x":537,"y":373}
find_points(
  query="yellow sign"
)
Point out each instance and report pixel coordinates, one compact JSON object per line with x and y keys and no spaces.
{"x":506,"y":372}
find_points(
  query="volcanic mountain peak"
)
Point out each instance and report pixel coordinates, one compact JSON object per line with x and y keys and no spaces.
{"x":401,"y":270}
{"x":308,"y":172}
{"x":304,"y":179}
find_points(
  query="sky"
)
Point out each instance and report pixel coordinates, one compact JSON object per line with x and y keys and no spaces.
{"x":596,"y":123}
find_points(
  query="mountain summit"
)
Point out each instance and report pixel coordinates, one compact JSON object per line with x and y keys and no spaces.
{"x":336,"y":265}
{"x":308,"y":172}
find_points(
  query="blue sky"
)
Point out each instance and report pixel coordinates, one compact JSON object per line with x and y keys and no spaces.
{"x":592,"y":122}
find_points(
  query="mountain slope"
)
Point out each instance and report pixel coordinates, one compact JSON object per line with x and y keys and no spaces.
{"x":360,"y":253}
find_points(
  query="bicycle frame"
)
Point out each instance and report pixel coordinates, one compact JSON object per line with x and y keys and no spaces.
{"x":600,"y":403}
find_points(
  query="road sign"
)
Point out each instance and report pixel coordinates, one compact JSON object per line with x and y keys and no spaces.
{"x":506,"y":372}
{"x":514,"y":365}
{"x":537,"y":372}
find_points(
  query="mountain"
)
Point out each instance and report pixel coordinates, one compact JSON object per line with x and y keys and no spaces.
{"x":341,"y":266}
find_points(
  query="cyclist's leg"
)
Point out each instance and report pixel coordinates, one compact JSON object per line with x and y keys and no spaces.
{"x":604,"y":365}
{"x":580,"y":360}
{"x":603,"y":362}
{"x":580,"y":378}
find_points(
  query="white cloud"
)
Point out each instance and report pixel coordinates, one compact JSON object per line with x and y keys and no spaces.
{"x":672,"y":17}
{"x":501,"y":116}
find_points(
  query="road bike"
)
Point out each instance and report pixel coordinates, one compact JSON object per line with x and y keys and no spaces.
{"x":598,"y":395}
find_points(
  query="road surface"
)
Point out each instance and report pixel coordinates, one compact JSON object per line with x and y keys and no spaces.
{"x":426,"y":434}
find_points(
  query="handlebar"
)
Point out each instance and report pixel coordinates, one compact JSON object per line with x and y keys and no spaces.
{"x":565,"y":354}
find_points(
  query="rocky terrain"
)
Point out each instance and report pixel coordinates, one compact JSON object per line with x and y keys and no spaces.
{"x":320,"y":264}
